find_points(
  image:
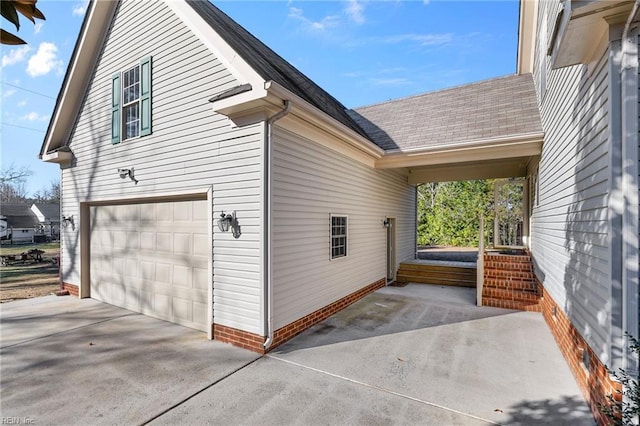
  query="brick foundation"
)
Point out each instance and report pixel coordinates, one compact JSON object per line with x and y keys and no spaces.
{"x":285,"y":333}
{"x":594,"y":381}
{"x":72,"y":289}
{"x":254,"y":343}
{"x":243,"y":339}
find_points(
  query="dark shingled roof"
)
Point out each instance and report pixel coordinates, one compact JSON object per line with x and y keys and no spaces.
{"x":270,"y":66}
{"x":500,"y":107}
{"x":18,"y":215}
{"x":51,"y":212}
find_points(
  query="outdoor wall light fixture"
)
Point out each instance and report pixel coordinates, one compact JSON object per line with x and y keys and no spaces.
{"x":224,"y":223}
{"x":127,"y":172}
{"x":386,"y":223}
{"x":229,"y":221}
{"x":68,"y":220}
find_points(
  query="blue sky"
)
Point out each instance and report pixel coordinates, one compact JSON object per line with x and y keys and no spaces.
{"x":362,"y":52}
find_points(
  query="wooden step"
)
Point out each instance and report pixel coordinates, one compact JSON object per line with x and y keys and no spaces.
{"x":436,"y":281}
{"x":435,"y":267}
{"x":437,"y":274}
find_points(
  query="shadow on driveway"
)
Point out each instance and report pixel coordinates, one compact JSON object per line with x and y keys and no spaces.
{"x":70,"y":361}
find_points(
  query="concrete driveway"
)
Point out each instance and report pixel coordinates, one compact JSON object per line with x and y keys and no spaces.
{"x":412,"y":355}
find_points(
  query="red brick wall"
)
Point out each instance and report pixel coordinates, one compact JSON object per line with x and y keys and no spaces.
{"x":239,"y":338}
{"x":594,"y":381}
{"x":288,"y":331}
{"x":72,"y":289}
{"x":254,"y":343}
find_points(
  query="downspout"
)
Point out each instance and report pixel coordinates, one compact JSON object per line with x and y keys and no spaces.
{"x":629,"y":172}
{"x":268,"y":278}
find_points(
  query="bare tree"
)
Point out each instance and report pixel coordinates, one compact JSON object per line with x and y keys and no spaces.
{"x":14,"y":174}
{"x":50,"y":194}
{"x":13,"y":187}
{"x":15,"y":192}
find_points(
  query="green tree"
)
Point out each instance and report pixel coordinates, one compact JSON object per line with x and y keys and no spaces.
{"x":508,"y":209}
{"x":449,"y":212}
{"x":10,"y":10}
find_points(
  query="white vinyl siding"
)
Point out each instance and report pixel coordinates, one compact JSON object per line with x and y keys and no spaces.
{"x":310,"y":182}
{"x":570,"y":241}
{"x":191,"y":148}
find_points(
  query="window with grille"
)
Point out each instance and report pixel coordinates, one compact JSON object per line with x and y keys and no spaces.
{"x":131,"y":102}
{"x":338,"y":236}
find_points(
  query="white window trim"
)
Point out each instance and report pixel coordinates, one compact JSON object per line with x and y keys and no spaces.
{"x":124,"y":105}
{"x":331,"y":236}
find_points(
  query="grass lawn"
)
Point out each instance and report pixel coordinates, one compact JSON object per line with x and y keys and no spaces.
{"x":24,"y":280}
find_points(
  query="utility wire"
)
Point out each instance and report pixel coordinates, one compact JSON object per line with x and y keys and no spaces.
{"x":22,"y":127}
{"x":28,"y":90}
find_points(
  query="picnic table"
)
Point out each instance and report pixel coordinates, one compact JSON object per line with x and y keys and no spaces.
{"x":33,"y":255}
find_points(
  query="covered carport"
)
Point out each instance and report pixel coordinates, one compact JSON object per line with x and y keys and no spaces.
{"x":485,"y":130}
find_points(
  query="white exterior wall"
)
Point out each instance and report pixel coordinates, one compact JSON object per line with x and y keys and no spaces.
{"x":311,"y":182}
{"x":191,"y":148}
{"x":21,"y":234}
{"x":570,"y":241}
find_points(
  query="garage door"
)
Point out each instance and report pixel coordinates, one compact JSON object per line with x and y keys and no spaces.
{"x":152,"y":258}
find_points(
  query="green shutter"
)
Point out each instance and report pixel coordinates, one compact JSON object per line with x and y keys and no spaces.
{"x":145,"y":96}
{"x":115,"y":108}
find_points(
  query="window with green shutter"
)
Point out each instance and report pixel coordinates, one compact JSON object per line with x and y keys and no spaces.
{"x":131,"y":102}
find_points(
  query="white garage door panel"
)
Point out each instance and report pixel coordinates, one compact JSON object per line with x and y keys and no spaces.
{"x":153,"y":258}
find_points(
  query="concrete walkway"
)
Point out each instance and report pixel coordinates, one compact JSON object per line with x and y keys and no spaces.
{"x":403,"y":355}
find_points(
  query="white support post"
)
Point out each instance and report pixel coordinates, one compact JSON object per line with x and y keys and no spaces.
{"x":480,"y":264}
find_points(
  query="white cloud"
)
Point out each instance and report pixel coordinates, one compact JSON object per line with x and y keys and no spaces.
{"x":354,"y":11}
{"x":15,"y":55}
{"x":34,"y":116}
{"x":80,"y":8}
{"x":328,"y":21}
{"x":8,"y":92}
{"x":426,"y":1}
{"x":22,"y":104}
{"x":390,"y":81}
{"x":44,"y":61}
{"x":37,"y":27}
{"x":422,"y":39}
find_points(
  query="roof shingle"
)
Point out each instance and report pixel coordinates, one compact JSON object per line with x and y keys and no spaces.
{"x":500,"y":107}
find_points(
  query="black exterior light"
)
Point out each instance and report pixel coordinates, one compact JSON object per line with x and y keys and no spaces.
{"x":225,"y":221}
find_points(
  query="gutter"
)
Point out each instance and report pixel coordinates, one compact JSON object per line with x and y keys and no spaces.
{"x":354,"y":139}
{"x":629,"y":187}
{"x":268,"y":278}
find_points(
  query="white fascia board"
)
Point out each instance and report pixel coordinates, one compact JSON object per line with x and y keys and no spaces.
{"x":78,"y":76}
{"x":583,"y":24}
{"x":60,"y":157}
{"x":231,"y":59}
{"x":308,"y":112}
{"x":479,"y":150}
{"x":527,"y":25}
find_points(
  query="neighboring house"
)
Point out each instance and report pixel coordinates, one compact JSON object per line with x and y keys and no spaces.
{"x":158,"y":139}
{"x":21,"y":223}
{"x":49,"y":218}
